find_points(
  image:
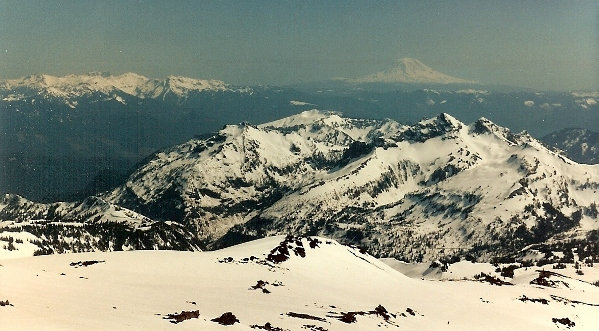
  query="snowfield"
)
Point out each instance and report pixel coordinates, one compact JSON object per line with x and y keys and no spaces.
{"x":282,"y":283}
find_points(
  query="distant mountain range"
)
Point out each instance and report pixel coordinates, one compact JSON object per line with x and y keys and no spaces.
{"x":417,"y":192}
{"x":67,"y":137}
{"x":70,"y":88}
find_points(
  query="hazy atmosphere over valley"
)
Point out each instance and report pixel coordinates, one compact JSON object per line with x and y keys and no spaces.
{"x":299,"y":165}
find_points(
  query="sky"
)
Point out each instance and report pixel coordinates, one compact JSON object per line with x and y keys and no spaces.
{"x":546,"y":45}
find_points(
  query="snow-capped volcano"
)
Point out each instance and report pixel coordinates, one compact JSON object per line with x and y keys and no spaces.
{"x":409,"y":70}
{"x":72,"y":87}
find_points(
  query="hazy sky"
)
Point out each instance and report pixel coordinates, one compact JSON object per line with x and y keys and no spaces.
{"x":540,"y":44}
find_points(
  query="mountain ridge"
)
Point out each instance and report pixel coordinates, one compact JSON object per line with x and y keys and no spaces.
{"x":320,"y":169}
{"x":416,"y":192}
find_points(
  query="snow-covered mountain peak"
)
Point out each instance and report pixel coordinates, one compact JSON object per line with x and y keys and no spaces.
{"x":9,"y":198}
{"x":36,"y":80}
{"x":91,"y":78}
{"x":485,"y":126}
{"x":443,"y":119}
{"x":99,"y":73}
{"x":182,"y":86}
{"x":409,"y":70}
{"x":321,"y":123}
{"x":443,"y":124}
{"x":411,"y":65}
{"x":233,"y":130}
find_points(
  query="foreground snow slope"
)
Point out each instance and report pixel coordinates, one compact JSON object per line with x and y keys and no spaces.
{"x":136,"y":290}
